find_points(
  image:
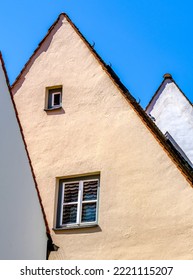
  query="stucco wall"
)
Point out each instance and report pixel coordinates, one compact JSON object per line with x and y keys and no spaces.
{"x":146,"y":209}
{"x":23,"y":232}
{"x":174,"y":113}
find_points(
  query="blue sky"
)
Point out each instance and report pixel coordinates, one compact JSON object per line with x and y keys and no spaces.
{"x":142,"y":39}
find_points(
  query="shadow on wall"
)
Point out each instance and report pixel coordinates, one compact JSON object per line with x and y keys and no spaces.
{"x":55,"y":112}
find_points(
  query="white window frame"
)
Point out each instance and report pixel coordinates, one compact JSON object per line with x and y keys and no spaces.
{"x":52,"y":103}
{"x":79,"y":203}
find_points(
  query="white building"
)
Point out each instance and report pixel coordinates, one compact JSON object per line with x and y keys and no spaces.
{"x":23,"y":233}
{"x":172,"y":112}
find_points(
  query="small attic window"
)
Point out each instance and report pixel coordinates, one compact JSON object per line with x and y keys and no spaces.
{"x":53,"y":98}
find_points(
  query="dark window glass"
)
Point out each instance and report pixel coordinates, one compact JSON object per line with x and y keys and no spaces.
{"x":56,"y":99}
{"x":88,"y":212}
{"x":69,"y":214}
{"x":71,"y":192}
{"x":90,"y":190}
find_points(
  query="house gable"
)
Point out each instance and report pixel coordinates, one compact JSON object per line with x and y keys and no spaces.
{"x":43,"y":46}
{"x":101,"y":130}
{"x":173,"y":113}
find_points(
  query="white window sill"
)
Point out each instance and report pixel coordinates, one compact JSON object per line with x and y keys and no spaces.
{"x":75,"y":227}
{"x":53,"y":108}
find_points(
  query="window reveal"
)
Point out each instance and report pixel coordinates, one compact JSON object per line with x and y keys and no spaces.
{"x":54,"y":98}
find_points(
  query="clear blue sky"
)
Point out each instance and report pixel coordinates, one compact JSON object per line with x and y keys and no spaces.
{"x":142,"y":39}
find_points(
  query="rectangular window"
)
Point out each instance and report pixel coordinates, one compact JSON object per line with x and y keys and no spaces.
{"x":78,"y":202}
{"x":54,"y":98}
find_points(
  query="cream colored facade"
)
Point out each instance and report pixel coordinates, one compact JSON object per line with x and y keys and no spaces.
{"x":146,"y":203}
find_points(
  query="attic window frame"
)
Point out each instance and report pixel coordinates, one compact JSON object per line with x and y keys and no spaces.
{"x":80,"y":202}
{"x":49,"y":100}
{"x":53,"y":97}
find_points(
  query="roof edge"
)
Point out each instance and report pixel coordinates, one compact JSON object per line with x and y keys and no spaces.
{"x":182,"y":93}
{"x":165,"y":77}
{"x":38,"y":47}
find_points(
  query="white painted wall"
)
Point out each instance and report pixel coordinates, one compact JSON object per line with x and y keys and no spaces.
{"x":22,"y":228}
{"x":174,"y":113}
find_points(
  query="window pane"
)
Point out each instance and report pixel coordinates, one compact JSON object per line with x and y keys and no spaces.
{"x":71,"y":192}
{"x":56,"y":99}
{"x":90,"y":190}
{"x":88,"y":212}
{"x":69,"y":214}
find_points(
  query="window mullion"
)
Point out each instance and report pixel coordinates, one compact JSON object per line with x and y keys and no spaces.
{"x":80,"y":195}
{"x":97,"y":201}
{"x":89,"y":201}
{"x":62,"y":204}
{"x":52,"y":99}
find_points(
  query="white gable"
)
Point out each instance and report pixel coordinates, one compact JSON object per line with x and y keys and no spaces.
{"x":173,"y":113}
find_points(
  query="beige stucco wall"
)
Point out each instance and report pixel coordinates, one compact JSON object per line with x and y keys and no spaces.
{"x":146,"y":204}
